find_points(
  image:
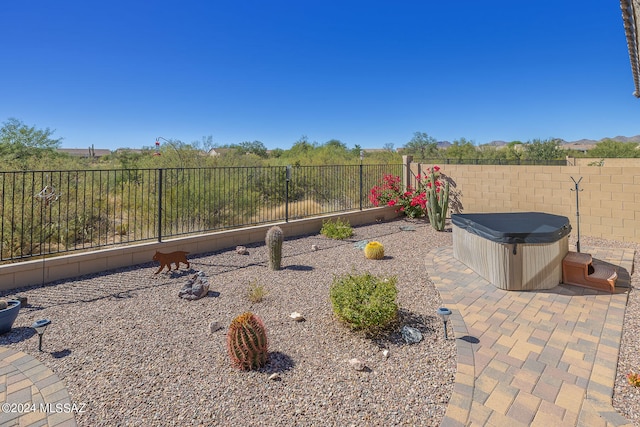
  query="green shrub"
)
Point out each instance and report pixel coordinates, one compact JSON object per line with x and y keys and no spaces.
{"x":365,"y":302}
{"x":337,"y":229}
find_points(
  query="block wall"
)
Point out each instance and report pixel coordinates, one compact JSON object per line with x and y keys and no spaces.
{"x":609,"y":200}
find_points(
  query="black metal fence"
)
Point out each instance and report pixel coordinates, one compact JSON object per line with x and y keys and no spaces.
{"x":51,"y":212}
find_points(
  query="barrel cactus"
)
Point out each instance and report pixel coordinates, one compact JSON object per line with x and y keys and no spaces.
{"x":274,"y":246}
{"x":247,"y":342}
{"x":374,"y":250}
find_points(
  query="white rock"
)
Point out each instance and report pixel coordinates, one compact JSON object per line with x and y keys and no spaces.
{"x":357,"y":364}
{"x":297,"y":316}
{"x":241,"y":250}
{"x":314,"y":247}
{"x":274,"y":377}
{"x":385,"y":353}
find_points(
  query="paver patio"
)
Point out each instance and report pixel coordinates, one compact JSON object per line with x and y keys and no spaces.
{"x":536,"y":358}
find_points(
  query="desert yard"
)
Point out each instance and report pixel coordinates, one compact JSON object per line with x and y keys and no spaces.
{"x":134,"y":353}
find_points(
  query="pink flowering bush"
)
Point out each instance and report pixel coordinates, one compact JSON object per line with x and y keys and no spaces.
{"x":413,"y":201}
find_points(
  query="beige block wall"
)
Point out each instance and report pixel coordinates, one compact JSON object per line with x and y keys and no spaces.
{"x":37,"y":272}
{"x":609,"y":200}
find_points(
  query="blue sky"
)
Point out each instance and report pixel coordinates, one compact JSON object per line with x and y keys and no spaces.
{"x":121,"y":73}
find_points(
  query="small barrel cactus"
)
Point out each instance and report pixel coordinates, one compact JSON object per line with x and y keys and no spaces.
{"x":374,"y":250}
{"x":247,"y":342}
{"x":3,"y":304}
{"x":274,"y":246}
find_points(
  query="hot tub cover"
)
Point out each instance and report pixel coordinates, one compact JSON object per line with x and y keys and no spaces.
{"x":515,"y":227}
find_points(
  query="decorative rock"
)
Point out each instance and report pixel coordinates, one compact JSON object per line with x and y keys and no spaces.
{"x":197,"y":287}
{"x":275,"y":377}
{"x":297,"y":316}
{"x":241,"y":250}
{"x":215,"y":327}
{"x":314,"y":247}
{"x":385,"y":353}
{"x":361,"y":244}
{"x":357,"y":364}
{"x":411,"y":335}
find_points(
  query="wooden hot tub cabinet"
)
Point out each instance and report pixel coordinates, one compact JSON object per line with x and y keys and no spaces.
{"x":518,"y":251}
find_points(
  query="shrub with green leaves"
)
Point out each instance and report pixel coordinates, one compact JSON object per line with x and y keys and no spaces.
{"x":337,"y":229}
{"x":365,"y":302}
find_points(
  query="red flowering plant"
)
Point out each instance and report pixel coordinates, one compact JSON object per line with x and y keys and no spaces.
{"x":412,"y":202}
{"x":386,"y":192}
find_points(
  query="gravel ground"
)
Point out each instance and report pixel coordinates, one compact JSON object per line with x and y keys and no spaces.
{"x":135,"y":354}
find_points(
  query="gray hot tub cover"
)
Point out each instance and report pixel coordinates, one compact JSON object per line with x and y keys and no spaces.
{"x":515,"y":227}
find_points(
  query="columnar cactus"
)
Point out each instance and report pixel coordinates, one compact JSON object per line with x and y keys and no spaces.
{"x":437,"y":200}
{"x":374,"y":250}
{"x":274,"y":246}
{"x":247,"y":342}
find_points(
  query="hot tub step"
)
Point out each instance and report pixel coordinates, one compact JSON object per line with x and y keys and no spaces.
{"x":578,"y":269}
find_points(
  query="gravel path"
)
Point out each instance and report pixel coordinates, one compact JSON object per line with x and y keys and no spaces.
{"x":132,"y":351}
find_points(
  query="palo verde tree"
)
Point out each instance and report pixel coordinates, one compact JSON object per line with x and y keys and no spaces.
{"x":461,"y":149}
{"x":608,"y":148}
{"x":548,"y":149}
{"x":24,"y":147}
{"x":422,"y":146}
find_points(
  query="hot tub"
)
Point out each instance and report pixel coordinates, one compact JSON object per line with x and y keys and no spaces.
{"x":514,"y":251}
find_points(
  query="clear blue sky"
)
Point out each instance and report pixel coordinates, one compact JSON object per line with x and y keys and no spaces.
{"x":121,"y":73}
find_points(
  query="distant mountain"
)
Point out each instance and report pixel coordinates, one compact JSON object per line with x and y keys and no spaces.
{"x":581,"y":144}
{"x":627,"y":139}
{"x":497,"y":143}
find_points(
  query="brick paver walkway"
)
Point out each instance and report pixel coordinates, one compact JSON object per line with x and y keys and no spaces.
{"x":25,"y":380}
{"x":536,"y":358}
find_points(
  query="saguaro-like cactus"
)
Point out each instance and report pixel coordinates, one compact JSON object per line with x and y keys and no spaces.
{"x":374,"y":250}
{"x":274,"y":246}
{"x":437,"y":200}
{"x":247,"y":342}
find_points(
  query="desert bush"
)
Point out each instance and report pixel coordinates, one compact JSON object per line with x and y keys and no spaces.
{"x":365,"y":302}
{"x":337,"y":229}
{"x":256,"y":292}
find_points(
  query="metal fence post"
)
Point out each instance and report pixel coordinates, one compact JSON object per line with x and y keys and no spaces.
{"x":159,"y":205}
{"x":286,"y":194}
{"x":361,"y":184}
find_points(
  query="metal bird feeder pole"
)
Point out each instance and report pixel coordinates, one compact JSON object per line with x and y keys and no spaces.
{"x":577,"y":190}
